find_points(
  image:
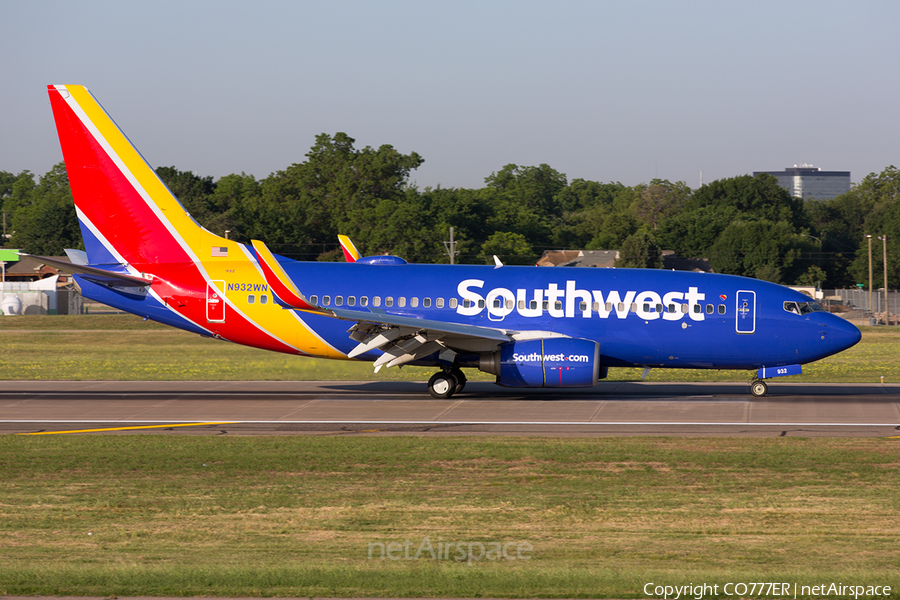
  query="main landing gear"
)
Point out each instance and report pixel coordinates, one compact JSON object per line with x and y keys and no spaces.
{"x":444,"y":384}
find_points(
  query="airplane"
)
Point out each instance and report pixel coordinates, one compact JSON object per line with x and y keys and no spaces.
{"x":528,"y":326}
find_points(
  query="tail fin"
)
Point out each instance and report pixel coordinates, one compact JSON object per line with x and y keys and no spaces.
{"x":126,"y":213}
{"x":351,"y":254}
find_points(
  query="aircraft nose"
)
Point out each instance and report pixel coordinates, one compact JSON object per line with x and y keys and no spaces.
{"x":843,"y":334}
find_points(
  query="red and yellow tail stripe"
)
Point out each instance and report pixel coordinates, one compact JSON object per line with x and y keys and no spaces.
{"x":279,"y":281}
{"x":351,"y":254}
{"x":130,"y":217}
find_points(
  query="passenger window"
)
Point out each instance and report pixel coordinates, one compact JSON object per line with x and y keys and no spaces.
{"x":351,"y":300}
{"x":521,"y":305}
{"x":314,"y":300}
{"x":709,"y":309}
{"x":481,"y":303}
{"x":376,"y":300}
{"x":326,"y":300}
{"x":338,"y":300}
{"x":659,"y":308}
{"x":620,"y":307}
{"x":634,"y":307}
{"x":672,"y":308}
{"x":509,"y":304}
{"x":466,"y":303}
{"x":532,"y":305}
{"x":582,"y":306}
{"x":684,"y":308}
{"x":363,"y":300}
{"x":697,"y":309}
{"x":263,"y":299}
{"x":557,"y":305}
{"x":389,"y":301}
{"x":426,"y":302}
{"x":721,"y":309}
{"x":595,"y":307}
{"x":453,"y":303}
{"x":251,"y":299}
{"x":413,"y":302}
{"x":646,"y":307}
{"x":401,"y":301}
{"x":609,"y":307}
{"x":498,"y":302}
{"x":546,"y":305}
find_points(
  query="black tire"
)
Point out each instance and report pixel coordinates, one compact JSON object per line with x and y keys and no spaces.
{"x":759,"y":388}
{"x":442,"y":385}
{"x":460,"y":380}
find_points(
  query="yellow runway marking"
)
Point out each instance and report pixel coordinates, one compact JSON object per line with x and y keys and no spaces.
{"x":134,"y":427}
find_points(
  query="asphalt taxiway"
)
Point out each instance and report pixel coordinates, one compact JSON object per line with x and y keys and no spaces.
{"x":385,"y":408}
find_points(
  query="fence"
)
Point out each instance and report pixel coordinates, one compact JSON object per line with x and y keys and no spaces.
{"x":859,"y":299}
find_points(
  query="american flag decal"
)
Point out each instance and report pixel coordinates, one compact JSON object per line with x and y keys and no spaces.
{"x":220,"y":251}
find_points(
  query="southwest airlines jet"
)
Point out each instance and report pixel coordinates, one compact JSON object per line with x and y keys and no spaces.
{"x":528,"y":326}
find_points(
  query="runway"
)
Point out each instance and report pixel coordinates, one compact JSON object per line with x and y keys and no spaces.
{"x":405,"y":408}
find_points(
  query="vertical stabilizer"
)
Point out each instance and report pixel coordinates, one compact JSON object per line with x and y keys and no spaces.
{"x":126,"y":213}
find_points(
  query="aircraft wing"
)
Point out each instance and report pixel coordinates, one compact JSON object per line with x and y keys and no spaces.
{"x":405,"y":339}
{"x":95,"y":274}
{"x":402,"y":339}
{"x":488,"y":333}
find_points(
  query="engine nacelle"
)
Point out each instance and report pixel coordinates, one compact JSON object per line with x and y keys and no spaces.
{"x":554,"y":362}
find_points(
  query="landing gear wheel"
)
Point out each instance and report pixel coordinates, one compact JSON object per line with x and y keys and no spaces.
{"x":460,"y":380}
{"x":759,"y":388}
{"x":442,"y":385}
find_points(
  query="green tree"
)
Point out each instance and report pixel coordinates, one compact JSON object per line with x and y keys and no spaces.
{"x":754,"y":198}
{"x":231,"y":195}
{"x":762,"y":249}
{"x":524,"y":200}
{"x":45,"y":222}
{"x":512,"y":248}
{"x":347,"y":182}
{"x":587,"y":207}
{"x":872,"y":207}
{"x":640,"y":251}
{"x":659,"y":199}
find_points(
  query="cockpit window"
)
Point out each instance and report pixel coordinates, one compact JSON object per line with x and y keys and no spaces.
{"x":803,"y":308}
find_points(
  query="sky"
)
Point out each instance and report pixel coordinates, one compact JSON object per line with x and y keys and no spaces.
{"x":622,"y":91}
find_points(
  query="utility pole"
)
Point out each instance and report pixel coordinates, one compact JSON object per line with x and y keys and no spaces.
{"x":871,"y":310}
{"x":451,"y":247}
{"x":887,"y":320}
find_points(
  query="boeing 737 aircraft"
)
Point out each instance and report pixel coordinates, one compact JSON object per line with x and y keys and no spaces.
{"x":528,"y":326}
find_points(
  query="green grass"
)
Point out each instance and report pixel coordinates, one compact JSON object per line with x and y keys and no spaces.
{"x":135,"y":515}
{"x":122,"y":347}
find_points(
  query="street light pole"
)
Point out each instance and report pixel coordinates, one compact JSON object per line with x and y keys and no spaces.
{"x":871,"y":310}
{"x":887,"y":320}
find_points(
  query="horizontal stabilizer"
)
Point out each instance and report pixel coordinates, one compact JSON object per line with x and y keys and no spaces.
{"x":102,"y":276}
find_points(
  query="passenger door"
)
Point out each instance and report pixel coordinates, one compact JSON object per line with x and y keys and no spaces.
{"x":745,"y":319}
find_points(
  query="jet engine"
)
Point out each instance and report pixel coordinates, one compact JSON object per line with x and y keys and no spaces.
{"x":553,"y":362}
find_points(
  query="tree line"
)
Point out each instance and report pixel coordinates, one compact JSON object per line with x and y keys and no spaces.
{"x":744,"y":225}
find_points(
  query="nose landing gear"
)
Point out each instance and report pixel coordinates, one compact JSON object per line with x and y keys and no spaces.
{"x":758,"y":388}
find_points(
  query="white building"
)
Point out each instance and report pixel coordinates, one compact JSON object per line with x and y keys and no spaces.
{"x":807,"y":181}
